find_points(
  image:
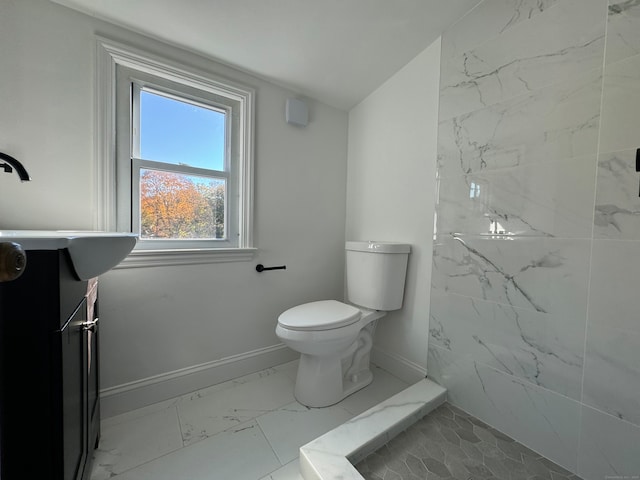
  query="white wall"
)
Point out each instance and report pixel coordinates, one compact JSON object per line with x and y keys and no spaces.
{"x":157,"y":323}
{"x":390,"y":196}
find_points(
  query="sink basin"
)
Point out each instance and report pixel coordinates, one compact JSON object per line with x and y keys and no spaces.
{"x":92,"y":253}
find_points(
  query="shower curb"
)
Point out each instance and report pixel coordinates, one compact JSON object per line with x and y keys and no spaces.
{"x":331,"y":456}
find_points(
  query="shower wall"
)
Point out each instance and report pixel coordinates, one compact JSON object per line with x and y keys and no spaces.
{"x":534,"y":322}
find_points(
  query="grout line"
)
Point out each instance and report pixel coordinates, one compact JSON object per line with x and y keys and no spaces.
{"x":282,"y":464}
{"x":520,"y":96}
{"x":623,"y":420}
{"x":179,"y":426}
{"x":514,"y":377}
{"x":268,"y":440}
{"x":504,"y":28}
{"x":590,"y":272}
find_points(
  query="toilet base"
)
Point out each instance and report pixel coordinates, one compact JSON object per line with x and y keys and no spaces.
{"x":320,"y":381}
{"x":364,"y":378}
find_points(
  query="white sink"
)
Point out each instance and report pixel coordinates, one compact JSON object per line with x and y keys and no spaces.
{"x":92,"y":253}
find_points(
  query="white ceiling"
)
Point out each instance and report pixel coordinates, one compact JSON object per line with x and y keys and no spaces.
{"x":336,"y":51}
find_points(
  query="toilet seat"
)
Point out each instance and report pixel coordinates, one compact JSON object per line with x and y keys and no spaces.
{"x":318,"y":316}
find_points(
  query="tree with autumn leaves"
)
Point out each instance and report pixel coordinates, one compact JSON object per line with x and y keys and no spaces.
{"x":174,"y":206}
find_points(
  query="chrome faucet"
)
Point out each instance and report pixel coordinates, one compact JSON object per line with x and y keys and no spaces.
{"x":11,"y":163}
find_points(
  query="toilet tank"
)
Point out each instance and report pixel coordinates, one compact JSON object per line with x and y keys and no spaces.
{"x":376,"y":273}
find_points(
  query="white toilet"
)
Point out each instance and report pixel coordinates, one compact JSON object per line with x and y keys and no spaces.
{"x":335,"y":338}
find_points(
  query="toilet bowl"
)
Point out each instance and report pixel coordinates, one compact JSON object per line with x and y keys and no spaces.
{"x":334,"y":349}
{"x":335,"y":338}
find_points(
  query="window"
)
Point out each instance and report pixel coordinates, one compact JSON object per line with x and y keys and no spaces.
{"x":180,"y":169}
{"x":179,"y":164}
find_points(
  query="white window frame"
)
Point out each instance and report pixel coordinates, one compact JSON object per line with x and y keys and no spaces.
{"x":109,"y":56}
{"x":129,"y":84}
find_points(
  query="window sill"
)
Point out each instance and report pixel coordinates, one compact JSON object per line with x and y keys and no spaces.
{"x":196,"y":256}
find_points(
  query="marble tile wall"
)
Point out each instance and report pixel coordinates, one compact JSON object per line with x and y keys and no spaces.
{"x":534,"y":322}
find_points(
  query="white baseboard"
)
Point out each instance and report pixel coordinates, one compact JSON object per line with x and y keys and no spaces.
{"x":140,"y":393}
{"x":398,"y":365}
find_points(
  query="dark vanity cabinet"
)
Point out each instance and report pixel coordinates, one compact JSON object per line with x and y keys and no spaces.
{"x":49,"y":402}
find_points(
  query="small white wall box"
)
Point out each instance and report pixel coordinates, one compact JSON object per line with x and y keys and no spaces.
{"x":297,"y":112}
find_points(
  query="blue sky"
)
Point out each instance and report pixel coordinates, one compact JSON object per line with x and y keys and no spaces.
{"x":177,"y":132}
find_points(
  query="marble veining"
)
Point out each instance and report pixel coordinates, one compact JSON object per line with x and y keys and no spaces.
{"x":209,"y":412}
{"x":553,"y":123}
{"x":330,"y":456}
{"x":623,"y":35}
{"x":612,"y":368}
{"x":540,"y":348}
{"x":527,"y":200}
{"x":533,"y":303}
{"x":623,"y":7}
{"x":544,"y":275}
{"x":545,"y":421}
{"x":437,"y":332}
{"x":612,"y":362}
{"x":569,"y":42}
{"x":617,"y":210}
{"x":488,"y":20}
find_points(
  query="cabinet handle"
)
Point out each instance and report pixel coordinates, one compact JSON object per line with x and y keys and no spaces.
{"x":90,"y":325}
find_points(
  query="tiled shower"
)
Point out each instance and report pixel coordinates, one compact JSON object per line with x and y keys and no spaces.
{"x":535,"y":301}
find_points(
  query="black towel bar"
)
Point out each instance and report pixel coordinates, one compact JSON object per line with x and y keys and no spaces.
{"x":262,"y":268}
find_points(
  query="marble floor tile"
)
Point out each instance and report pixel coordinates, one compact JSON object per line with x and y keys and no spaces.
{"x":207,"y":434}
{"x":385,"y":386}
{"x":126,"y":445}
{"x":233,"y":383}
{"x":332,"y":455}
{"x":294,"y":425}
{"x":290,"y":369}
{"x":203,"y":415}
{"x":138,"y":413}
{"x":291,"y":471}
{"x":241,"y":453}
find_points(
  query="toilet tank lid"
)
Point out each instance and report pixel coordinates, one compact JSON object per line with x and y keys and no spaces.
{"x":322,"y":315}
{"x":378,"y":247}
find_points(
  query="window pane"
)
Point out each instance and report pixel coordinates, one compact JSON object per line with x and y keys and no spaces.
{"x":175,"y":206}
{"x":180,"y":133}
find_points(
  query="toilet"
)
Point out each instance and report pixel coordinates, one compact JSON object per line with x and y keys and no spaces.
{"x":335,"y":338}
